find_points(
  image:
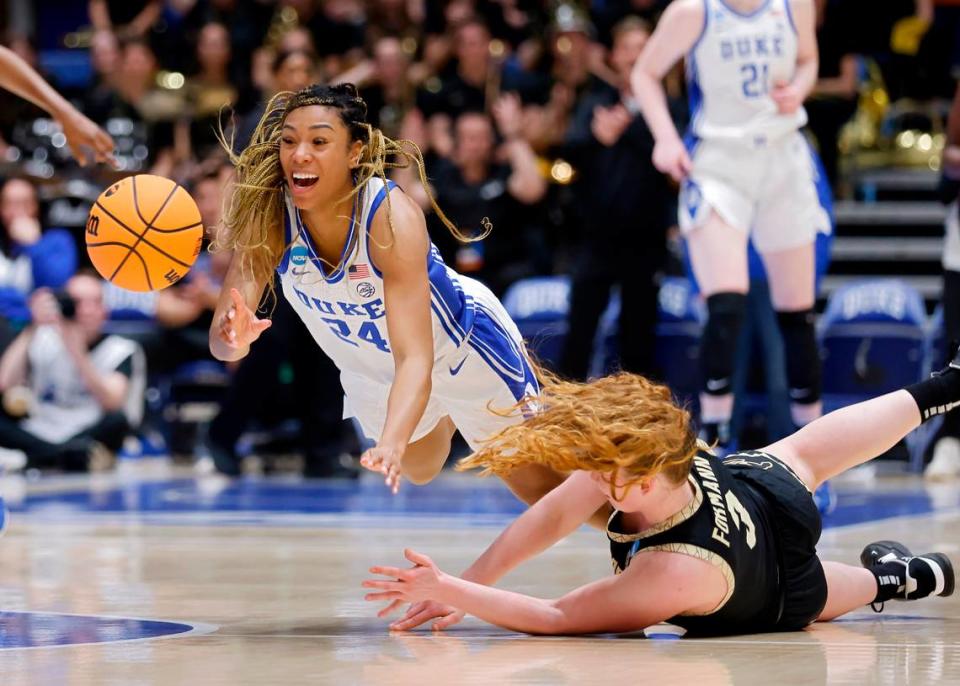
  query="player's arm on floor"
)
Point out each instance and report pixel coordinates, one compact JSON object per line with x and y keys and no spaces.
{"x":401,"y":255}
{"x":655,"y":587}
{"x":235,"y":324}
{"x":552,"y":518}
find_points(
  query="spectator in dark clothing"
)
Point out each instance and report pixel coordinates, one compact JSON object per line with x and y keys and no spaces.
{"x":834,"y":98}
{"x":102,"y":101}
{"x":389,"y":94}
{"x":464,"y":85}
{"x":292,"y":70}
{"x":338,"y":29}
{"x":126,"y":18}
{"x":608,"y":13}
{"x":473,"y":187}
{"x":211,"y":91}
{"x":625,"y":204}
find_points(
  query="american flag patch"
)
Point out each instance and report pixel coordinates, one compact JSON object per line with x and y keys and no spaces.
{"x":358,"y":271}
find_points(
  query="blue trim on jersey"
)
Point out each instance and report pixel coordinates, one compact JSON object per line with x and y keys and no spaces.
{"x":447,"y":316}
{"x":793,"y":24}
{"x":493,"y":344}
{"x":703,"y":31}
{"x":746,"y":15}
{"x":374,"y":206}
{"x":690,"y":142}
{"x":503,"y":361}
{"x":285,"y":260}
{"x":341,"y":269}
{"x":505,"y":355}
{"x":694,"y":92}
{"x":443,"y":322}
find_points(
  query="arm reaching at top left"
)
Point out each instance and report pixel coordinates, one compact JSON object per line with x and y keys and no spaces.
{"x":87,"y":141}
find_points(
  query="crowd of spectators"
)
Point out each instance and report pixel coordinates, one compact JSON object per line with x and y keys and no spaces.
{"x":521,"y":107}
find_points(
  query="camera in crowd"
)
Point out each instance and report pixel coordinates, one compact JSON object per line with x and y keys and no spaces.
{"x":68,"y":308}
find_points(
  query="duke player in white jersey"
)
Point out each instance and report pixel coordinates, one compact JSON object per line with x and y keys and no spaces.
{"x":422,"y":350}
{"x":745,"y":172}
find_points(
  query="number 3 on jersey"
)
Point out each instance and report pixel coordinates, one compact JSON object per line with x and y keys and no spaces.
{"x":368,"y":332}
{"x":742,"y":518}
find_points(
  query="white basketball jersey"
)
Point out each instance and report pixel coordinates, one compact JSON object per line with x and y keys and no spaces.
{"x":344,"y":307}
{"x":734,"y":65}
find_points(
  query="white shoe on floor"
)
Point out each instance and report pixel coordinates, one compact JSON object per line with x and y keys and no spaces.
{"x":12,"y":460}
{"x":946,"y":460}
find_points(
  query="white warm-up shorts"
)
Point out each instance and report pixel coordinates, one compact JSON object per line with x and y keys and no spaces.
{"x":764,"y":188}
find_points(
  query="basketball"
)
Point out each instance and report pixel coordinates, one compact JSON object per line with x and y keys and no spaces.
{"x":144,"y":233}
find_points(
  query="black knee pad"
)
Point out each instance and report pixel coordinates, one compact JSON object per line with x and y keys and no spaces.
{"x":718,"y":346}
{"x":803,"y":355}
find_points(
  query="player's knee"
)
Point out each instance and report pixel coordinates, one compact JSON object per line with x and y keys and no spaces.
{"x":419,"y":475}
{"x":718,"y":347}
{"x":803,"y":356}
{"x":531,"y":482}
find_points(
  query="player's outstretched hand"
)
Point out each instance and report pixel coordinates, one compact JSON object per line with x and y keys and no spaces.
{"x":385,"y":460}
{"x":422,"y":612}
{"x":420,"y":582}
{"x":87,"y":141}
{"x":671,"y":157}
{"x":239,"y":326}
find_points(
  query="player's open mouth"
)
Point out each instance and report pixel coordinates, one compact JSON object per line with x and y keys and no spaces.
{"x":304,"y":180}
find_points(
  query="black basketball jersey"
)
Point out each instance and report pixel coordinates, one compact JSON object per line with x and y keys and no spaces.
{"x":727,"y":524}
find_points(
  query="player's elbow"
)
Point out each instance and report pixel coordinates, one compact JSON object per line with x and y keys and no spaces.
{"x":554,"y":621}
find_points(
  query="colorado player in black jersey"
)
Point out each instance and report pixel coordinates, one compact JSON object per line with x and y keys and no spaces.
{"x":717,"y":547}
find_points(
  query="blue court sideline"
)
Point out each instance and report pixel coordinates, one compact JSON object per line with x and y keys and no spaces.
{"x":285,"y":502}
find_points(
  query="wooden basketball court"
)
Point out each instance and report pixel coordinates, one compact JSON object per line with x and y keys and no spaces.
{"x":182,"y":580}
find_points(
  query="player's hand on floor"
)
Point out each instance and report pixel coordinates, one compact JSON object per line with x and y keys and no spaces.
{"x":421,"y":613}
{"x":386,"y":461}
{"x":239,"y":326}
{"x":420,"y":582}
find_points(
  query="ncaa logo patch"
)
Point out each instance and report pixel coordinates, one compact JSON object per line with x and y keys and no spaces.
{"x":298,"y":255}
{"x":366,"y":289}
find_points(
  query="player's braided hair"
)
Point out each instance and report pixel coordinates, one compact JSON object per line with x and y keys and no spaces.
{"x":622,"y":422}
{"x":253,"y":216}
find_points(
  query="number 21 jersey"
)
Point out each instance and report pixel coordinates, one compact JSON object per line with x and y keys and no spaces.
{"x":733,"y":67}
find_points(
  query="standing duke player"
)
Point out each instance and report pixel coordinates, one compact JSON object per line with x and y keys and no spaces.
{"x":743,"y":164}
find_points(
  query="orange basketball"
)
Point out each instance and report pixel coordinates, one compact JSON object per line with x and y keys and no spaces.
{"x":144,"y":233}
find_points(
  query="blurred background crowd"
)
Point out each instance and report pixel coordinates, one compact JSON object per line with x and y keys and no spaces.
{"x":524,"y":114}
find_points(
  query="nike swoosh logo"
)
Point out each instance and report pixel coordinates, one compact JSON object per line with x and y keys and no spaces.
{"x":456,"y":370}
{"x":716,"y":384}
